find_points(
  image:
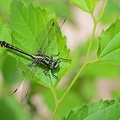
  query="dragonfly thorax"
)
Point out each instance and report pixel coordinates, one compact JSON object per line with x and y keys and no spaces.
{"x":45,"y":61}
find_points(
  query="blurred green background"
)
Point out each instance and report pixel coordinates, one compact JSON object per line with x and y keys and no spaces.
{"x":98,"y":80}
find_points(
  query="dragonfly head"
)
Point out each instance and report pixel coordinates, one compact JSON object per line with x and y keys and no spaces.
{"x":54,"y":64}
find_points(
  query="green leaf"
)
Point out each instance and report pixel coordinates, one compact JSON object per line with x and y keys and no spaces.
{"x":103,"y":110}
{"x":109,"y":44}
{"x":86,"y":5}
{"x":30,"y":26}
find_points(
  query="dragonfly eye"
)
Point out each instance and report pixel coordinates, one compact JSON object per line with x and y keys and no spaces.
{"x":54,"y":64}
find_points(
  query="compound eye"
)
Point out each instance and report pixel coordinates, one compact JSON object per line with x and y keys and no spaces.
{"x":55,"y":64}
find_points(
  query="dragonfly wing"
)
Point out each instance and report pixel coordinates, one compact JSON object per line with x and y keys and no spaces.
{"x":25,"y":89}
{"x":15,"y":82}
{"x":26,"y":85}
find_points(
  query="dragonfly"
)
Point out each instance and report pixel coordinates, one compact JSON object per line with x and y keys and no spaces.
{"x":37,"y":59}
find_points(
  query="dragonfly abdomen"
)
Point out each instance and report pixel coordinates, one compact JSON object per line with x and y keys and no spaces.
{"x":7,"y":45}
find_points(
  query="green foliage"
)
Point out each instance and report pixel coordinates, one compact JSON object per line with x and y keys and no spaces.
{"x":29,"y":29}
{"x":109,"y":44}
{"x":111,"y":12}
{"x":86,"y":5}
{"x":103,"y":110}
{"x":9,"y":62}
{"x":98,"y":69}
{"x":30,"y":26}
{"x":11,"y":110}
{"x":66,"y":105}
{"x":56,"y":5}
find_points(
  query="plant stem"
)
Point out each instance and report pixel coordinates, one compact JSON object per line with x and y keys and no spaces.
{"x":55,"y":110}
{"x":91,"y":39}
{"x":56,"y":102}
{"x":83,"y":66}
{"x":54,"y":94}
{"x":67,"y":90}
{"x":73,"y":81}
{"x":101,"y":14}
{"x":86,"y":62}
{"x":92,"y":61}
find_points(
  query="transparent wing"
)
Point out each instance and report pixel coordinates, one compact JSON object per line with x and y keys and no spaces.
{"x":53,"y":30}
{"x":43,"y":36}
{"x":25,"y":90}
{"x":15,"y":82}
{"x":46,"y":39}
{"x":17,"y":79}
{"x":27,"y":83}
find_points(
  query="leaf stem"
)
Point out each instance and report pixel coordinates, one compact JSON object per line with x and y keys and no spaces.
{"x":56,"y":102}
{"x":86,"y":62}
{"x":55,"y":110}
{"x":101,"y":14}
{"x":92,"y":61}
{"x":73,"y":81}
{"x":91,"y":39}
{"x":67,"y":90}
{"x":94,"y":29}
{"x":54,"y":94}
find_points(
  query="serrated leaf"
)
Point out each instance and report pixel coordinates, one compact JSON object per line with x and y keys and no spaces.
{"x":30,"y":26}
{"x":109,"y":44}
{"x":86,"y":5}
{"x":103,"y":110}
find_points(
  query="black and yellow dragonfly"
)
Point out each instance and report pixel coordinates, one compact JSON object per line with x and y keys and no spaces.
{"x":37,"y":59}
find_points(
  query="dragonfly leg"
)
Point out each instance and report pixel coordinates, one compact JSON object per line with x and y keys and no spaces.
{"x":39,"y":52}
{"x":30,"y":64}
{"x":54,"y":55}
{"x":63,"y":59}
{"x":54,"y":75}
{"x":46,"y":71}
